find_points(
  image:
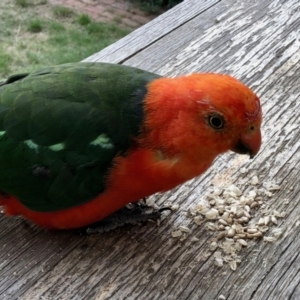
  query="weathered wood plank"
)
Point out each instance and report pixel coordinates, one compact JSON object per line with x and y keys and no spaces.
{"x":153,"y":31}
{"x":222,"y":36}
{"x":257,"y":42}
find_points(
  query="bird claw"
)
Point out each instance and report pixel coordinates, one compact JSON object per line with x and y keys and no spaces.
{"x":125,"y":216}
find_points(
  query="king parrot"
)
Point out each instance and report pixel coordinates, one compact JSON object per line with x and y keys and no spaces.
{"x":79,"y":141}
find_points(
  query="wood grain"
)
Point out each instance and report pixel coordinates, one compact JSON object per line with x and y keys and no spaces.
{"x":258,"y":42}
{"x":153,"y":31}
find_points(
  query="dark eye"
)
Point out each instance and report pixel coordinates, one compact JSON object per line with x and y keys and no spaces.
{"x":216,"y":121}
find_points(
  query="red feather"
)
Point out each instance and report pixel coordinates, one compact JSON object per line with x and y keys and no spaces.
{"x":176,"y":144}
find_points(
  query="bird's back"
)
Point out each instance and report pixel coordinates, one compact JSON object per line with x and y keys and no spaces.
{"x":61,"y":127}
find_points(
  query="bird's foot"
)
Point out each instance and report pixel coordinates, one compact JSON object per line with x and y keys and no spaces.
{"x":135,"y":214}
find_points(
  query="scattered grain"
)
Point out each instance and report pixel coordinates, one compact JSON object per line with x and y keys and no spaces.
{"x":240,"y":236}
{"x":213,"y":246}
{"x":261,"y":221}
{"x":283,"y":214}
{"x":231,"y":233}
{"x":277,"y":232}
{"x":219,"y":262}
{"x":195,"y":239}
{"x":242,"y":242}
{"x":274,"y":187}
{"x":175,"y":207}
{"x":243,"y":170}
{"x":264,"y":228}
{"x":254,"y":204}
{"x":247,"y":208}
{"x":229,"y":212}
{"x":221,"y":235}
{"x":211,"y":226}
{"x":269,"y":194}
{"x":193,"y":210}
{"x":184,"y":229}
{"x":225,"y":215}
{"x":233,"y":265}
{"x":242,"y":220}
{"x":217,"y":191}
{"x":218,"y":258}
{"x":183,"y":236}
{"x":198,"y":220}
{"x":176,"y":233}
{"x":221,"y":209}
{"x":233,"y":191}
{"x":269,"y":239}
{"x":252,"y":230}
{"x":212,"y":202}
{"x":254,"y":180}
{"x":267,"y":220}
{"x":274,"y":220}
{"x":254,"y":235}
{"x":212,"y":214}
{"x":229,"y":221}
{"x":239,"y":213}
{"x":221,"y":227}
{"x":223,"y":222}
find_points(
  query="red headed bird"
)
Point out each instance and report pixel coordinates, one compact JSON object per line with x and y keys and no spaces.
{"x":80,"y":141}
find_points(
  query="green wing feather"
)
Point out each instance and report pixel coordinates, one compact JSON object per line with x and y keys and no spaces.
{"x":61,"y":127}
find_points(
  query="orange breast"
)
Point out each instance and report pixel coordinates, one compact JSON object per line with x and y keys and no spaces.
{"x":141,"y":174}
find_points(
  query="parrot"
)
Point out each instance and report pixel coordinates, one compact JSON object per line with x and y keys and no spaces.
{"x":80,"y":141}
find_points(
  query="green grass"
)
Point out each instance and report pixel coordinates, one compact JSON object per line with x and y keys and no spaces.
{"x":55,"y":27}
{"x":5,"y":60}
{"x":62,"y":12}
{"x":35,"y":26}
{"x":40,"y":35}
{"x":84,"y":20}
{"x":22,"y":3}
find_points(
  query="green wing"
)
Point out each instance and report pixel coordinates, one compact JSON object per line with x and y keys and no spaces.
{"x":61,"y":127}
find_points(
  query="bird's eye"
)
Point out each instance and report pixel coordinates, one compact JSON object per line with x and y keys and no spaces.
{"x":216,"y":121}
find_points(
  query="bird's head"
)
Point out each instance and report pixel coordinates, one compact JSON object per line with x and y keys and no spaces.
{"x":206,"y":114}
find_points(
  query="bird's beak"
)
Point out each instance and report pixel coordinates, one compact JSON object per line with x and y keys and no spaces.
{"x":248,"y":143}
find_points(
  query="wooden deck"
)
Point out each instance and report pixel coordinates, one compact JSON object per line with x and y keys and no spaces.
{"x":259,"y":43}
